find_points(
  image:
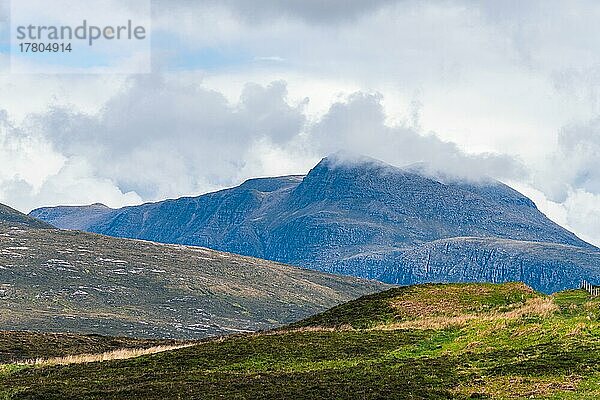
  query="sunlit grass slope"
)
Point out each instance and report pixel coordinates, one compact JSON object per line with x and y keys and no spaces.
{"x":425,"y":341}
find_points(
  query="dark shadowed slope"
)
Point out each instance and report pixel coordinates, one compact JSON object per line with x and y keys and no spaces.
{"x":20,"y":346}
{"x":73,"y":217}
{"x":339,"y":215}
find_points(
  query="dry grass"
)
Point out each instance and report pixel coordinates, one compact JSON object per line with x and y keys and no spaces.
{"x":537,"y":306}
{"x":344,"y":327}
{"x":518,"y":386}
{"x":120,"y":354}
{"x":450,"y":300}
{"x":427,"y":306}
{"x":284,"y":331}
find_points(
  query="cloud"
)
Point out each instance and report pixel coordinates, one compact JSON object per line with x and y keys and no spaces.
{"x":579,"y":211}
{"x":4,"y":37}
{"x":19,"y":151}
{"x":359,"y":125}
{"x":35,"y":174}
{"x":575,"y":163}
{"x":579,"y":153}
{"x":309,"y":11}
{"x":565,"y":184}
{"x":160,"y":138}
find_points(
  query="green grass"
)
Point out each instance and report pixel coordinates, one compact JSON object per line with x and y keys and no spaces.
{"x":410,"y":302}
{"x":353,"y":352}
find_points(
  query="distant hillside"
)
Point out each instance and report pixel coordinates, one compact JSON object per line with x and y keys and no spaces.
{"x":73,"y":217}
{"x":343,"y":215}
{"x":54,"y":280}
{"x":10,"y":216}
{"x":457,"y":341}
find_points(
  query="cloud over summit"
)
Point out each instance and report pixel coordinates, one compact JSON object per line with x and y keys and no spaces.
{"x":160,"y":138}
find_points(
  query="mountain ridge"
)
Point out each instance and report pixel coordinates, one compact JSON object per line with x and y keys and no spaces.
{"x":338,"y":210}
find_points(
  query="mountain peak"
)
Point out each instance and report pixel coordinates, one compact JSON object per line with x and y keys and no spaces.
{"x":350,"y":160}
{"x":268,"y":185}
{"x":99,"y":205}
{"x":350,"y":214}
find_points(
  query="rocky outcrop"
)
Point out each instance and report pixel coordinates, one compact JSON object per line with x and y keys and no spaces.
{"x":549,"y":267}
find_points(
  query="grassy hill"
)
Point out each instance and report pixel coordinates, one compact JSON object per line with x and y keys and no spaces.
{"x":19,"y":346}
{"x":70,"y":281}
{"x":425,"y":341}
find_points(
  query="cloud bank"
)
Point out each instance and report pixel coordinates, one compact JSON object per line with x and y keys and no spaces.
{"x":158,"y":138}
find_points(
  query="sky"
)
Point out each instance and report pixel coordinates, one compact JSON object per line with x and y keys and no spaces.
{"x":239,"y":89}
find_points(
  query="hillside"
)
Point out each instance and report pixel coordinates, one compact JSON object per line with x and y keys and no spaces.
{"x":54,"y":280}
{"x":359,"y":217}
{"x":10,"y":216}
{"x":20,"y":346}
{"x":456,"y":341}
{"x":77,"y":218}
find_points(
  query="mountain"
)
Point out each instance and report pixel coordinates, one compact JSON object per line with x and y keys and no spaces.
{"x":57,"y":280}
{"x":78,"y":218}
{"x":12,"y":217}
{"x":548,"y":266}
{"x":347,"y":212}
{"x":455,"y":341}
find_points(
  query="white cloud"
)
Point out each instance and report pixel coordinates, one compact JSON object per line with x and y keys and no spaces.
{"x":35,"y":173}
{"x":359,"y":125}
{"x":265,"y":11}
{"x":574,"y":164}
{"x":161,"y":138}
{"x":579,"y":212}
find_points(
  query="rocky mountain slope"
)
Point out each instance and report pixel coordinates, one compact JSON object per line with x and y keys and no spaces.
{"x":354,"y":216}
{"x":548,"y":266}
{"x":56,"y":280}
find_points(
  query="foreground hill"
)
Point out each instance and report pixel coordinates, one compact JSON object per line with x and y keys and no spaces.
{"x":22,"y":346}
{"x":420,"y":342}
{"x":360,"y":217}
{"x":54,"y":280}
